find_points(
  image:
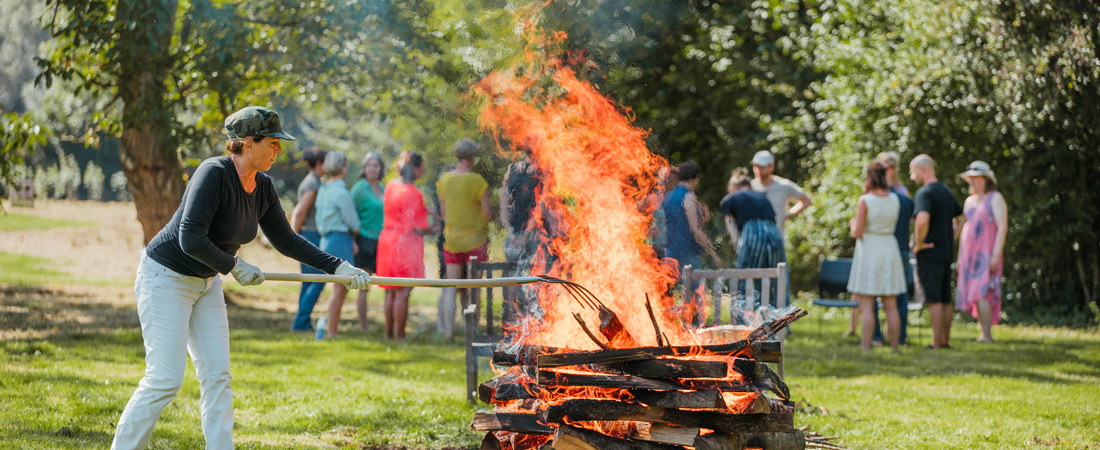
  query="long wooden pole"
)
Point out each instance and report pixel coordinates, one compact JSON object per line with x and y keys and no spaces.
{"x":404,"y":282}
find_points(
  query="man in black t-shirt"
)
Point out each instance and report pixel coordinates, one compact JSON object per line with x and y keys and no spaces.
{"x":938,"y":219}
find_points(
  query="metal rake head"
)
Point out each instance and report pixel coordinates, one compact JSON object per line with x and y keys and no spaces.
{"x":579,"y":293}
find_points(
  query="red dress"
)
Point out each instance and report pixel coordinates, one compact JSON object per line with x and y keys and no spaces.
{"x":400,"y":247}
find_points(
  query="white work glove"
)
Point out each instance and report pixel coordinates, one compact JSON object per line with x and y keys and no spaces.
{"x":359,"y":278}
{"x":247,"y":274}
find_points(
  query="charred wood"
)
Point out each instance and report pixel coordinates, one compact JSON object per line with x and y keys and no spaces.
{"x":570,"y":438}
{"x":667,"y":434}
{"x":520,"y":423}
{"x":530,"y":355}
{"x":784,"y":440}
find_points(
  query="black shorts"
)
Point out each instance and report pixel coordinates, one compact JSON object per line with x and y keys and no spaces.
{"x":934,"y":278}
{"x":367,"y":258}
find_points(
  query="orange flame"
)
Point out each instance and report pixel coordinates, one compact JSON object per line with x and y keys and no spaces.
{"x":597,"y":174}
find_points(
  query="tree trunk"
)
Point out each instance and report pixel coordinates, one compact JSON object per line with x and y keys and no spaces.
{"x":148,"y":149}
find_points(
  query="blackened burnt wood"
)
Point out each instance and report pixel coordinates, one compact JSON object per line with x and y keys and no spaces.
{"x":552,"y":378}
{"x":520,"y":423}
{"x":590,"y":409}
{"x":766,"y":351}
{"x":785,"y":440}
{"x":781,"y":419}
{"x":777,"y":385}
{"x":709,"y":398}
{"x":668,"y":368}
{"x":570,"y":438}
{"x":666,"y":434}
{"x":487,"y":390}
{"x":515,"y":391}
{"x":490,"y":442}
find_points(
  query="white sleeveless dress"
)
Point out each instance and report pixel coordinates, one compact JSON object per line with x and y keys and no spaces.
{"x":876,"y":267}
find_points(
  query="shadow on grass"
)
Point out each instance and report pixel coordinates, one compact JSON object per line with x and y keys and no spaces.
{"x":1059,"y":361}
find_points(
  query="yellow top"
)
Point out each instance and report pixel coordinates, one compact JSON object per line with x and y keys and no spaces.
{"x":466,"y":227}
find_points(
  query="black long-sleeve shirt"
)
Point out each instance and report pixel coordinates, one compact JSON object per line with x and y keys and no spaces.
{"x":217,"y":216}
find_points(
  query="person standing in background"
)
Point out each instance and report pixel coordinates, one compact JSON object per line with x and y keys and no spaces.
{"x":338,"y":224}
{"x":939,"y":218}
{"x":876,"y":266}
{"x":464,"y":203}
{"x":367,"y":194}
{"x":401,"y":243}
{"x":750,"y":221}
{"x":684,"y":217}
{"x":901,"y":233}
{"x":518,"y":200}
{"x":302,"y":221}
{"x":780,"y":191}
{"x":980,"y":249}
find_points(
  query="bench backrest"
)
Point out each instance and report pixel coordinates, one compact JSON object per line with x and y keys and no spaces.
{"x":496,"y":305}
{"x":727,"y":280}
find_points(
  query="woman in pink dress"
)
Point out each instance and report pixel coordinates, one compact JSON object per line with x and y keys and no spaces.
{"x":980,"y":245}
{"x":401,"y":243}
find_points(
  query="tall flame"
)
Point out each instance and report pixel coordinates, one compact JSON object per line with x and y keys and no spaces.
{"x":597,"y":196}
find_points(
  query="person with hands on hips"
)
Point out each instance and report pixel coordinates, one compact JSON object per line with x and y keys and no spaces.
{"x":180,"y":303}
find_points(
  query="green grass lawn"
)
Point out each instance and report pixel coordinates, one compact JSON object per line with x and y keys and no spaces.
{"x":11,"y":221}
{"x":1033,"y":388}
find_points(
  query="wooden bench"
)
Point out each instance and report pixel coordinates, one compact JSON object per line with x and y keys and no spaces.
{"x":484,"y":327}
{"x":727,"y":280}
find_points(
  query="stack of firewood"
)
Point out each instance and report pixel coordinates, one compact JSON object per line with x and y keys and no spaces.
{"x":706,"y":397}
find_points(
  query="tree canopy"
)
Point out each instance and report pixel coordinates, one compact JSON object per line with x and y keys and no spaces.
{"x":824,"y":84}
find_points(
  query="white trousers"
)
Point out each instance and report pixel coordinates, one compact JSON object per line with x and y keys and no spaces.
{"x":179,"y":315}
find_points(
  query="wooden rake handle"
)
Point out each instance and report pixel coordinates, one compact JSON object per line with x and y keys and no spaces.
{"x":404,"y":282}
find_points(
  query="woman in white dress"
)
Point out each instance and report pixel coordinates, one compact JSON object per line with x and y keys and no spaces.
{"x":876,"y":267}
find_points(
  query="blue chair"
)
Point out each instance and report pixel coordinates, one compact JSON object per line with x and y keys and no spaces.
{"x":832,"y":281}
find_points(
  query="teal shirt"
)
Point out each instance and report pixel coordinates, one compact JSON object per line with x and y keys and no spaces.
{"x":369,"y":207}
{"x":335,"y":211}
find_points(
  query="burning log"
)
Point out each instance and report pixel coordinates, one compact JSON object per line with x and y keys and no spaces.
{"x":612,"y":329}
{"x":784,"y":440}
{"x":668,"y":368}
{"x":667,"y":434}
{"x":570,"y":438}
{"x":580,"y":410}
{"x":516,"y":422}
{"x":527,"y":355}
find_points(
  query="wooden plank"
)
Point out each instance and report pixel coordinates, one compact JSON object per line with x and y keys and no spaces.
{"x":520,"y":423}
{"x":515,"y":391}
{"x":595,"y":357}
{"x":528,"y":355}
{"x":785,"y":440}
{"x":666,"y":434}
{"x":781,"y":418}
{"x":667,"y":368}
{"x":579,"y":438}
{"x":709,"y":398}
{"x":490,"y":442}
{"x":555,"y":378}
{"x":766,"y":292}
{"x":740,"y":273}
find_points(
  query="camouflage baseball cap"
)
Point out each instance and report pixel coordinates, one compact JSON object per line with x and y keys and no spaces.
{"x":255,"y":121}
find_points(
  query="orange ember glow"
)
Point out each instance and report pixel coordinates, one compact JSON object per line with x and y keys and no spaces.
{"x":596,"y":202}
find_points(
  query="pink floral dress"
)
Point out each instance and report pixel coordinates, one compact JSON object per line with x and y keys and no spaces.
{"x":979,"y":236}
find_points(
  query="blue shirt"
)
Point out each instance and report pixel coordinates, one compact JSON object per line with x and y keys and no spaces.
{"x":335,"y":211}
{"x":905,"y":214}
{"x":681,"y":243}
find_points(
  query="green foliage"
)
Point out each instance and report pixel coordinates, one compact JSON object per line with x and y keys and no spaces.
{"x":18,"y":136}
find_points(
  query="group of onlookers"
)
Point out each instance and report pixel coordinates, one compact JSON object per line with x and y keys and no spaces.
{"x":381,"y":228}
{"x":756,"y":209}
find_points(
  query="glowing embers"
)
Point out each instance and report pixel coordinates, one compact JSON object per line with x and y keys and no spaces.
{"x":703,"y":396}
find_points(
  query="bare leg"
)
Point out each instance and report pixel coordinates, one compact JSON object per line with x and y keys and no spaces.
{"x":935,"y":312}
{"x":985,"y":318}
{"x":387,"y":310}
{"x":335,"y":304}
{"x":866,"y":309}
{"x":361,"y":306}
{"x":400,"y":311}
{"x":893,"y":320}
{"x":855,"y":322}
{"x":948,"y":316}
{"x":446,"y":305}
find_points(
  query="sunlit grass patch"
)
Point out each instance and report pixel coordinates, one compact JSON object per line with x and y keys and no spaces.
{"x":12,"y":221}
